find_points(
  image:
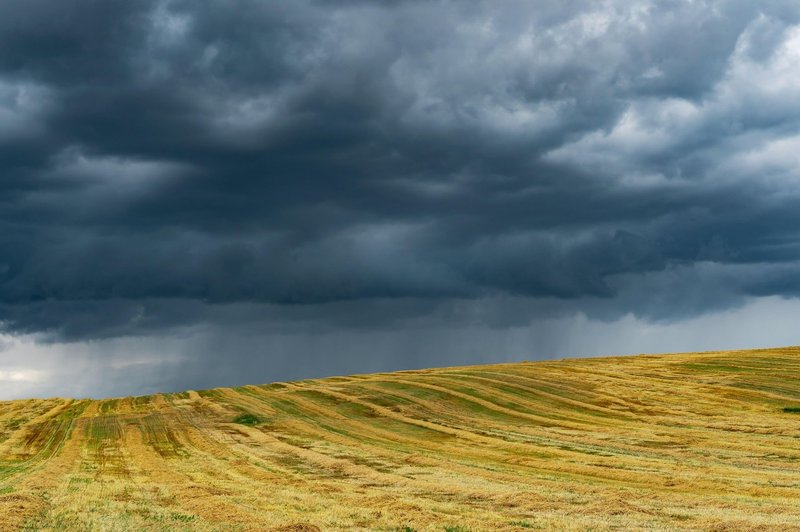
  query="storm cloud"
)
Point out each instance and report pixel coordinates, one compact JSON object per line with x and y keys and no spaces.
{"x":342,"y":170}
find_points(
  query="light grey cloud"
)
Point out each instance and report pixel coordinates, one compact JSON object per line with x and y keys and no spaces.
{"x":233,"y":354}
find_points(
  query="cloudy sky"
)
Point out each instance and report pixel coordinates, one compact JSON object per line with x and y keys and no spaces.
{"x":198,"y":194}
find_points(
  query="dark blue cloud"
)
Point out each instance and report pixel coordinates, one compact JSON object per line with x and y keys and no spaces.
{"x":158,"y":159}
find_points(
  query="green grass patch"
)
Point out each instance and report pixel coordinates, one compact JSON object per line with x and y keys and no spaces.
{"x":108,"y":405}
{"x":791,"y":409}
{"x":717,"y":367}
{"x":247,"y":419}
{"x":103,"y":428}
{"x":184,"y":518}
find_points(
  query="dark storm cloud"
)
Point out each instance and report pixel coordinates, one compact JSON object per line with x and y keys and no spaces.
{"x":352,"y":164}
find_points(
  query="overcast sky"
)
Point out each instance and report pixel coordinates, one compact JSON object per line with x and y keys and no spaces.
{"x":198,"y":194}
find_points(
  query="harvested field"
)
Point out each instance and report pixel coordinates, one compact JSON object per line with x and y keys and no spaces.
{"x":689,"y":441}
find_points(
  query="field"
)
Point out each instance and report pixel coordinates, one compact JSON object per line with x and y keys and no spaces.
{"x":689,"y":441}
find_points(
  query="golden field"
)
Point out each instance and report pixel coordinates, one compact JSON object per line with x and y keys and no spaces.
{"x":686,"y":441}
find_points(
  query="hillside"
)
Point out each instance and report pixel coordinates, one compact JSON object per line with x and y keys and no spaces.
{"x":689,"y":440}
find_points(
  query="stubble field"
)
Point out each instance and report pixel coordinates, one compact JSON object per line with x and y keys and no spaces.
{"x":688,"y":441}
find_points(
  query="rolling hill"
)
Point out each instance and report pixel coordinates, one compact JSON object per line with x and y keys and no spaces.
{"x":699,"y":440}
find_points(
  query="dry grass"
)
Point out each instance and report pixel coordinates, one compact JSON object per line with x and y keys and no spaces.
{"x":689,"y":441}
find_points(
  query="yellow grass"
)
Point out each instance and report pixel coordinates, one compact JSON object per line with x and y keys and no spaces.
{"x":689,"y":441}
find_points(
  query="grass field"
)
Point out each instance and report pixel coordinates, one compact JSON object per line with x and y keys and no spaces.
{"x":705,"y":441}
